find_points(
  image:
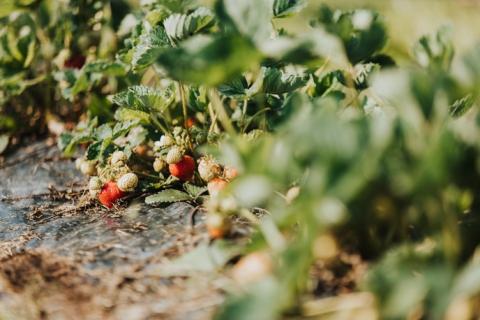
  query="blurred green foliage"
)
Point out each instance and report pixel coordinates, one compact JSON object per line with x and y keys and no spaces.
{"x":43,"y":45}
{"x":381,"y":139}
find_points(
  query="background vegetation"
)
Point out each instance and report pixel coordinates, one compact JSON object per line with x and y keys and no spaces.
{"x":353,"y":131}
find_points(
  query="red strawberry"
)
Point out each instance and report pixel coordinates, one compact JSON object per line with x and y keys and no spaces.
{"x":184,"y":169}
{"x":190,"y":122}
{"x":109,"y":194}
{"x":75,"y":62}
{"x":216,"y":185}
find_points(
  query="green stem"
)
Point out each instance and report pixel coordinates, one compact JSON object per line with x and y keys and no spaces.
{"x":220,"y":110}
{"x":159,"y":124}
{"x":146,"y":175}
{"x":253,"y":118}
{"x":184,"y":104}
{"x":185,"y":114}
{"x":213,"y":117}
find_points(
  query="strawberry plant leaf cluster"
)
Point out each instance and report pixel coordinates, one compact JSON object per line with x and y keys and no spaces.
{"x":44,"y":45}
{"x":342,"y":147}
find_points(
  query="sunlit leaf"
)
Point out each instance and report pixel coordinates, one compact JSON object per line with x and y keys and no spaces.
{"x":169,"y":195}
{"x":144,"y":98}
{"x":277,"y":81}
{"x":150,"y":45}
{"x":285,"y":8}
{"x":180,"y":26}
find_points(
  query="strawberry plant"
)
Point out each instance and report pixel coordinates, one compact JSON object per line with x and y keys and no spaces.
{"x":297,"y":114}
{"x":45,"y":47}
{"x":340,"y":146}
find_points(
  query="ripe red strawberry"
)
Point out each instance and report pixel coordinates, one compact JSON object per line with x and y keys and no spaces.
{"x":190,"y":122}
{"x":216,"y":185}
{"x":75,"y":62}
{"x":109,"y":194}
{"x":184,"y":169}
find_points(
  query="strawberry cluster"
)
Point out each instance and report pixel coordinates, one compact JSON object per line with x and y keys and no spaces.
{"x":170,"y":156}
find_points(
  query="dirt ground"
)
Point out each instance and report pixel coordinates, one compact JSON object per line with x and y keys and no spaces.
{"x":62,"y":257}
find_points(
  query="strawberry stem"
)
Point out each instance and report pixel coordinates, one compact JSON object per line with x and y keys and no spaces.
{"x":220,"y":110}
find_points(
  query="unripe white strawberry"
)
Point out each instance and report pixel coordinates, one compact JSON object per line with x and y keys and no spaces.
{"x":165,"y":141}
{"x":128,"y":182}
{"x":175,"y":155}
{"x":88,"y":168}
{"x":78,"y":163}
{"x":158,"y":165}
{"x":94,"y":186}
{"x":95,"y":183}
{"x":118,"y":158}
{"x":94,"y":193}
{"x":209,"y":169}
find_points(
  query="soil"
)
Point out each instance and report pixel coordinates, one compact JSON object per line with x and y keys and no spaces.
{"x":63,"y":257}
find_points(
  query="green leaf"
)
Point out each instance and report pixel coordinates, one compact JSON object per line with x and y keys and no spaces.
{"x":362,"y":31}
{"x":329,"y":82}
{"x":105,"y":67}
{"x":193,"y":190}
{"x":144,"y":98}
{"x":276,"y":81}
{"x":208,"y":60}
{"x":461,"y":106}
{"x":363,"y":73}
{"x":100,"y":107}
{"x":67,"y":141}
{"x":81,"y":84}
{"x":251,"y":18}
{"x":197,"y":99}
{"x":94,"y":151}
{"x":237,"y":88}
{"x":126,"y":114}
{"x":64,"y":140}
{"x":308,"y":48}
{"x":285,"y":8}
{"x":169,"y":195}
{"x":103,"y":132}
{"x":150,"y":45}
{"x":181,"y":26}
{"x":122,"y":128}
